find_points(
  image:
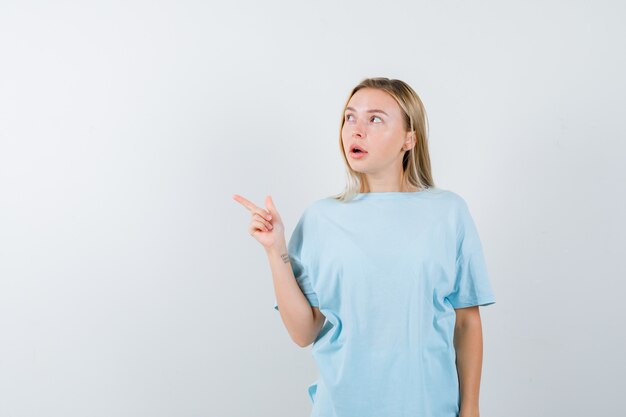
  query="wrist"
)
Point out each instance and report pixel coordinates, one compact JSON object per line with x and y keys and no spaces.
{"x":278,"y":248}
{"x":469,"y":411}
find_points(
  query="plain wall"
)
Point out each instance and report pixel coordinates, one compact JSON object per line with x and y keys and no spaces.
{"x":129,"y":285}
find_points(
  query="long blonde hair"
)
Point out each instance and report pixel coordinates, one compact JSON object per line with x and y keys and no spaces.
{"x":416,"y":161}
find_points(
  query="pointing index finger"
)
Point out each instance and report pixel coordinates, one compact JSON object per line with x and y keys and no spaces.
{"x":245,"y":202}
{"x":253,"y":207}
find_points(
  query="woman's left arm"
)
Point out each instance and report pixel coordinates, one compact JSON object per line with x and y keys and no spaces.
{"x":468,"y":343}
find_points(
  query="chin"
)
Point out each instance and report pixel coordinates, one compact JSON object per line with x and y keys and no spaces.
{"x":360,"y":170}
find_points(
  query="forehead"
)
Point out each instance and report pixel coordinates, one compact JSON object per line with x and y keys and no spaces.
{"x":373,"y":98}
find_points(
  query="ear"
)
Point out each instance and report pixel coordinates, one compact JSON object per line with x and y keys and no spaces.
{"x":410,"y":141}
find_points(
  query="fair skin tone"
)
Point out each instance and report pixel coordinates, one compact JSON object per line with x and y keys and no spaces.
{"x":374,"y":120}
{"x":302,"y":321}
{"x":468,"y":344}
{"x":383,"y":135}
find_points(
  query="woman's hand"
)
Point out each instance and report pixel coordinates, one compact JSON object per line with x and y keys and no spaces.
{"x":266,"y":225}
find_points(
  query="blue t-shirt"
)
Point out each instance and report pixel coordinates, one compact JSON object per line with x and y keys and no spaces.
{"x":387,"y":270}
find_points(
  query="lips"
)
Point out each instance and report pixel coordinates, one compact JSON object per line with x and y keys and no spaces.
{"x":357,"y":152}
{"x":357,"y":149}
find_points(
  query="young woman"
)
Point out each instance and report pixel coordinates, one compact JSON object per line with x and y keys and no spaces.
{"x":385,"y":279}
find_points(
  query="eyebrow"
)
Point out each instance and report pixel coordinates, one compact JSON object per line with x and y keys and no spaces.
{"x":369,"y":111}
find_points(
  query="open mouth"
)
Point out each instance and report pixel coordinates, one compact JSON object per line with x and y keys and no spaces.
{"x":357,"y":153}
{"x":356,"y":149}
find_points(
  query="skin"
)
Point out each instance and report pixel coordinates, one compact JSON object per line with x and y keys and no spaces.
{"x":468,"y":343}
{"x":266,"y":226}
{"x":386,"y":139}
{"x":383,"y":136}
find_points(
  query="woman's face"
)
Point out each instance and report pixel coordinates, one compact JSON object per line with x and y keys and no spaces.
{"x":374,"y":121}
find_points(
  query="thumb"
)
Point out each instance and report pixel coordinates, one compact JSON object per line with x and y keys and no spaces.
{"x":269,"y":203}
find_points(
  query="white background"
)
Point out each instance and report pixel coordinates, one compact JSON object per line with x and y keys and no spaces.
{"x":129,"y":285}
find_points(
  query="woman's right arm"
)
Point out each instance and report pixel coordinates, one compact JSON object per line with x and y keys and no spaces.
{"x":303,"y":321}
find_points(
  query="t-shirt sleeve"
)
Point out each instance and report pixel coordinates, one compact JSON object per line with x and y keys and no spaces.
{"x":296,"y":247}
{"x":472,"y":285}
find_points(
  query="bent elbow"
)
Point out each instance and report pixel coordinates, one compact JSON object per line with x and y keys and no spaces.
{"x":303,"y":340}
{"x":302,"y":343}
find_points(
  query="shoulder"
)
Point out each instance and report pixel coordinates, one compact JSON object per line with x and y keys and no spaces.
{"x":446,"y":195}
{"x":447,"y":200}
{"x":461,"y":215}
{"x":311,"y":212}
{"x":320,"y":205}
{"x":315,"y":212}
{"x":451,"y":205}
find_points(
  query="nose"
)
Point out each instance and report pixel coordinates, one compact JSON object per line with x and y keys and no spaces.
{"x":358,"y":130}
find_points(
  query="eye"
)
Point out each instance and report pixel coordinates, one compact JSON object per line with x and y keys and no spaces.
{"x":373,"y":117}
{"x":348,"y":116}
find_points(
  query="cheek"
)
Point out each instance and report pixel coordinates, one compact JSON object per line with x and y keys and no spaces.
{"x":345,"y":135}
{"x":383,"y":148}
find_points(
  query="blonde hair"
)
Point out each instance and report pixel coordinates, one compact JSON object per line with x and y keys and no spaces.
{"x":416,"y":161}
